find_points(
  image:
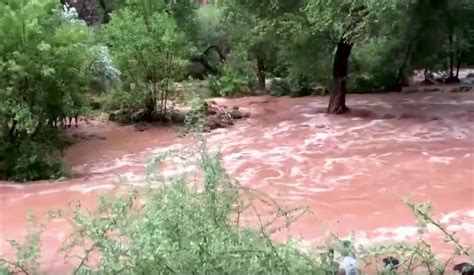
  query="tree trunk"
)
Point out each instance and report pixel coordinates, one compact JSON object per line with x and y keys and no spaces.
{"x":150,"y":104}
{"x":451,"y":55}
{"x":103,"y":6}
{"x":261,"y":72}
{"x":401,"y":79}
{"x":452,"y":78}
{"x":458,"y":65}
{"x":337,"y":101}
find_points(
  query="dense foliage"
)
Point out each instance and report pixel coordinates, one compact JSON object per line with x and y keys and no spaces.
{"x":132,"y":53}
{"x":149,"y":49}
{"x":54,"y":58}
{"x":42,"y":82}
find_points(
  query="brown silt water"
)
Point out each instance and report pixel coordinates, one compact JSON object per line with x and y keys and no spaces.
{"x":351,"y":171}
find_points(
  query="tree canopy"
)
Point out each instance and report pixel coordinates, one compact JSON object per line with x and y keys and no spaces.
{"x":56,"y":56}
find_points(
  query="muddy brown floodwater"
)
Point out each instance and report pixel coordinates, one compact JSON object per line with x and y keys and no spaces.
{"x":352,"y":171}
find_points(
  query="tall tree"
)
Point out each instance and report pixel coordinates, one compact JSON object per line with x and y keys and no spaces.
{"x":459,"y":16}
{"x":256,"y":25}
{"x":344,"y":23}
{"x":150,"y":50}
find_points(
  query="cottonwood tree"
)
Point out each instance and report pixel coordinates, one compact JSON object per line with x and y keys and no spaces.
{"x":344,"y":23}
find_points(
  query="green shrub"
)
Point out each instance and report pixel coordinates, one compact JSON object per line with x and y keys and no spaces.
{"x":172,"y":227}
{"x":283,"y":87}
{"x":37,"y":159}
{"x":150,"y":51}
{"x":280,"y":87}
{"x":232,"y":81}
{"x":132,"y":99}
{"x":27,"y":254}
{"x":370,"y":71}
{"x":195,"y":118}
{"x":105,"y":77}
{"x":44,"y":75}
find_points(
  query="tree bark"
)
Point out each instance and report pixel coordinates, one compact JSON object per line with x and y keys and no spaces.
{"x":458,"y":65}
{"x":452,"y":78}
{"x":451,"y":55}
{"x":261,"y":72}
{"x":337,"y":101}
{"x":104,"y":7}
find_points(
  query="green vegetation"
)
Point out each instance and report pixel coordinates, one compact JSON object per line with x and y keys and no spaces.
{"x":149,"y":49}
{"x":169,"y":226}
{"x":42,"y":80}
{"x":128,"y":58}
{"x":58,"y":62}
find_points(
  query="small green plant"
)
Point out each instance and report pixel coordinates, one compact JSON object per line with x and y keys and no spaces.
{"x":418,"y":256}
{"x":132,"y":99}
{"x":280,"y":87}
{"x":232,"y":81}
{"x":27,"y":254}
{"x":36,"y":161}
{"x":195,"y":118}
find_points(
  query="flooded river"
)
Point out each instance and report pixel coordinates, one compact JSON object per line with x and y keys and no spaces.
{"x":351,"y":171}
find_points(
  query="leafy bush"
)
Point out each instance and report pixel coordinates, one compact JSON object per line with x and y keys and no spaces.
{"x":235,"y":79}
{"x":43,"y":77}
{"x":174,"y":228}
{"x":302,"y":55}
{"x":150,"y":51}
{"x":35,"y":161}
{"x":195,"y":118}
{"x":280,"y":87}
{"x":283,"y":87}
{"x":133,"y":99}
{"x":27,"y":254}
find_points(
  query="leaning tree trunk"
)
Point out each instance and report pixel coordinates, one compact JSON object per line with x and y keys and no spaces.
{"x":261,"y":72}
{"x":337,"y":101}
